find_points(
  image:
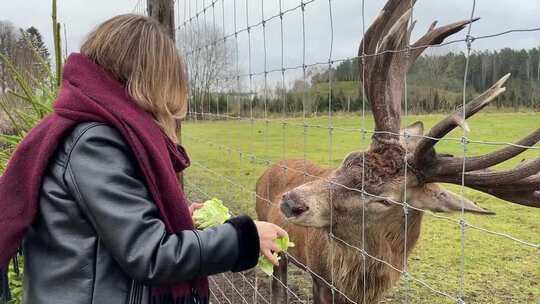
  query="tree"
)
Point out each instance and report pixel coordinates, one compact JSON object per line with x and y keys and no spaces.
{"x":436,"y":102}
{"x":8,"y":38}
{"x":31,"y":53}
{"x":35,"y":52}
{"x":34,"y":37}
{"x":23,"y":49}
{"x":210,"y":63}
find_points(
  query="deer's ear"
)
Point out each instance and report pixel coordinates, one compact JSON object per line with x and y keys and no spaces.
{"x":437,"y":199}
{"x":411,"y":135}
{"x":415,"y":129}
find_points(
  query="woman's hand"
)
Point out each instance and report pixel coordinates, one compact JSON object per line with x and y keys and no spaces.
{"x":268,"y":233}
{"x":193,"y":207}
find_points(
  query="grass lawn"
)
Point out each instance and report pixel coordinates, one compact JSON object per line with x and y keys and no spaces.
{"x":229,"y":156}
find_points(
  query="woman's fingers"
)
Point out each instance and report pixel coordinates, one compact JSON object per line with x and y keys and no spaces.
{"x":268,"y":233}
{"x":281,"y":232}
{"x":268,"y":254}
{"x":195,"y":206}
{"x":273,"y":247}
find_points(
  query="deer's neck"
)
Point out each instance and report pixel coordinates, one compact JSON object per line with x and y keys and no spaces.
{"x":383,"y":242}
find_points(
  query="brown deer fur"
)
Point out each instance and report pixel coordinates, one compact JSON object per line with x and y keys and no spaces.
{"x":314,"y":249}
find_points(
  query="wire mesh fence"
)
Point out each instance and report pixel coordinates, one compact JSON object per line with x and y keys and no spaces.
{"x":243,"y":58}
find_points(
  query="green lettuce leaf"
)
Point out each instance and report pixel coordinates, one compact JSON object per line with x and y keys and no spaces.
{"x":212,"y":213}
{"x":265,"y":264}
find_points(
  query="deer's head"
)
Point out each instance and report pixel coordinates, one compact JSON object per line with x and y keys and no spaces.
{"x":402,"y":166}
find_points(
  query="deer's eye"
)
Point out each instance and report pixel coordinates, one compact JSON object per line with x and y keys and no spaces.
{"x":384,"y":202}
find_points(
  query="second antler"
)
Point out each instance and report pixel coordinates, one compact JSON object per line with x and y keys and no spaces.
{"x":386,"y":58}
{"x":520,"y":185}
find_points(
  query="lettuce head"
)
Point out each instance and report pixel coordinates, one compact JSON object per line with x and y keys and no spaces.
{"x":212,"y":213}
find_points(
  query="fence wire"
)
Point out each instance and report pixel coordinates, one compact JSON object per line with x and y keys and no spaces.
{"x":206,"y":26}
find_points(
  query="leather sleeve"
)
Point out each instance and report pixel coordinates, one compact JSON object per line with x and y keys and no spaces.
{"x":106,"y":183}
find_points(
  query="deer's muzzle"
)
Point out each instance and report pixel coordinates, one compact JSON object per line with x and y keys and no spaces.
{"x":292,"y":205}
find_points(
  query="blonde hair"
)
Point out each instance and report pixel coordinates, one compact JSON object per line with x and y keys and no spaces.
{"x":139,"y":53}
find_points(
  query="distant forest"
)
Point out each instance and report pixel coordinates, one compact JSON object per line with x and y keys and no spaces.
{"x":434,"y":84}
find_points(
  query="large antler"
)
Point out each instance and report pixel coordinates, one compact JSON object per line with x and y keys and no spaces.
{"x":387,"y":57}
{"x":520,"y":185}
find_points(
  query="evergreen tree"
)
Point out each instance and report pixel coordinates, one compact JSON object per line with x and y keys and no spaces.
{"x":35,"y":38}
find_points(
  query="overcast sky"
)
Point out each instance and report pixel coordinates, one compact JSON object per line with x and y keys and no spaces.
{"x":497,"y":16}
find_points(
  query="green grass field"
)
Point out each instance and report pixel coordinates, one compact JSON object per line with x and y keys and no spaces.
{"x":229,"y":156}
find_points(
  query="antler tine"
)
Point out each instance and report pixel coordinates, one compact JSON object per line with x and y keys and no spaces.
{"x":453,"y":165}
{"x":490,"y":178}
{"x":385,"y":65}
{"x":531,"y":183}
{"x":387,"y":60}
{"x":525,"y":191}
{"x":396,"y":36}
{"x":435,"y":36}
{"x":530,"y":199}
{"x":520,"y":185}
{"x":388,"y":16}
{"x":519,"y":194}
{"x":458,"y":118}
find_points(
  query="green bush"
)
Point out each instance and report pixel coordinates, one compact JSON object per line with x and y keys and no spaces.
{"x":24,"y":106}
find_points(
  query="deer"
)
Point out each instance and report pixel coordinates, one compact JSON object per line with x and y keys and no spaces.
{"x":344,"y":221}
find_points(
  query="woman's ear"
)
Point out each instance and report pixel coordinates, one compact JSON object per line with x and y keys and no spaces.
{"x":437,"y":199}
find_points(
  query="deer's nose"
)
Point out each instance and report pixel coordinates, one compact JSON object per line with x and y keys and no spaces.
{"x":292,"y":205}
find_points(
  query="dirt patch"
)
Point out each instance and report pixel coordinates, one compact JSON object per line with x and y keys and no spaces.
{"x":254,"y":287}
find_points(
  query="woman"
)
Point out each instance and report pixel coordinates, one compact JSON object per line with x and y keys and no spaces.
{"x":93,"y":189}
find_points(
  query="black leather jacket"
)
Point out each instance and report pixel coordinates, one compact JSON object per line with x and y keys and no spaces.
{"x":97,"y":238}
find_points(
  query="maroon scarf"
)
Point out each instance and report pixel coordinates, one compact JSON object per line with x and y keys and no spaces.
{"x":89,"y":93}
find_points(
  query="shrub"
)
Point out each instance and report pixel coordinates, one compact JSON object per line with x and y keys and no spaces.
{"x":24,"y":106}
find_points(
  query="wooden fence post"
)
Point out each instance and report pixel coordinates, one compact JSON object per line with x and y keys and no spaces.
{"x":163,"y":12}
